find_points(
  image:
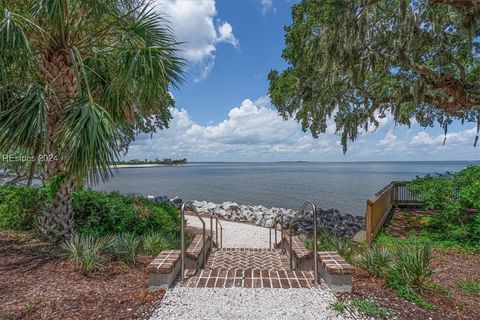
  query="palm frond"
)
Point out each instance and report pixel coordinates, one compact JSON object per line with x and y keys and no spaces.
{"x":13,"y":36}
{"x":23,"y":119}
{"x":88,"y":136}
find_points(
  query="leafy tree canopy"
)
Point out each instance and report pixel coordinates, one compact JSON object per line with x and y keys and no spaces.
{"x":357,"y":60}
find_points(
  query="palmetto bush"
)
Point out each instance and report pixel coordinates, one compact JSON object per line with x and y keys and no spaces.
{"x":375,"y":260}
{"x":412,"y":266}
{"x":155,"y":242}
{"x":345,"y":246}
{"x":85,"y":251}
{"x":328,"y":242}
{"x":126,"y":247}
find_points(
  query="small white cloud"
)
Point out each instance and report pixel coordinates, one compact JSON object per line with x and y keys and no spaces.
{"x":267,"y":5}
{"x":225,"y":34}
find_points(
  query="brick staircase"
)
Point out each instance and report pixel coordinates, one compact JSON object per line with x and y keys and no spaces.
{"x":287,"y":264}
{"x":248,"y":268}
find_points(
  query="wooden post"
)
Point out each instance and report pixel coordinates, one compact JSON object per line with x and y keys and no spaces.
{"x":368,"y":223}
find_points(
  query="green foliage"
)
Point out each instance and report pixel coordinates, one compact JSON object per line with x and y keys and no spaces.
{"x":340,"y":307}
{"x":470,"y":286}
{"x":85,"y":251}
{"x":105,"y":213}
{"x":412,"y":266}
{"x":345,"y":246}
{"x":353,"y":60}
{"x":366,"y":307}
{"x":369,"y":308}
{"x":375,"y":260}
{"x":96,"y":213}
{"x":425,"y":237}
{"x":328,"y":242}
{"x":453,"y":196}
{"x":20,"y":207}
{"x":410,"y":272}
{"x":155,"y":242}
{"x":126,"y":246}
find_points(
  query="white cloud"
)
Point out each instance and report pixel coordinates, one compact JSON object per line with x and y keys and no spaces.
{"x":193,"y":24}
{"x":267,"y":5}
{"x":225,"y":34}
{"x":458,"y":145}
{"x":253,"y":131}
{"x":249,"y":132}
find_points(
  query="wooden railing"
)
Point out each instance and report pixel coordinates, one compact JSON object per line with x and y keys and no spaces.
{"x":381,"y":204}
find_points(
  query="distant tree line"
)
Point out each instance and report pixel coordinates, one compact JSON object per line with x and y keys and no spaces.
{"x":170,"y":162}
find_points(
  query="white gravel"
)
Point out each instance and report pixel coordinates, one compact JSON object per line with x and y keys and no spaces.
{"x":243,"y":303}
{"x":237,"y":235}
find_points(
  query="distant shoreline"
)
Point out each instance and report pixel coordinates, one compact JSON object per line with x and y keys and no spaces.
{"x":146,"y":165}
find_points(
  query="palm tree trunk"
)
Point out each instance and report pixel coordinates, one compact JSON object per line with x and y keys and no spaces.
{"x":33,"y":165}
{"x":58,"y":74}
{"x":57,"y":219}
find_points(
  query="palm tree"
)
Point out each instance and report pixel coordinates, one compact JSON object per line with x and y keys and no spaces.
{"x":77,"y":80}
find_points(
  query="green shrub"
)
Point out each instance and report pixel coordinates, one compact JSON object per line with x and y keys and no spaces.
{"x":20,"y":207}
{"x":345,"y":246}
{"x":453,"y":196}
{"x":85,"y":251}
{"x":375,"y":261}
{"x":95,"y":213}
{"x":328,"y":242}
{"x":410,"y":272}
{"x":101,"y":213}
{"x":126,"y":247}
{"x":155,"y":242}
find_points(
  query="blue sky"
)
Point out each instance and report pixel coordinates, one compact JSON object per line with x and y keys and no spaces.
{"x":223,"y":111}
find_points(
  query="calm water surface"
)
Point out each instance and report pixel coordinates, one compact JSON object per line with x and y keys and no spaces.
{"x":341,"y":185}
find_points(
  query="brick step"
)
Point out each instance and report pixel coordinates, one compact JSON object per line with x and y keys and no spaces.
{"x":249,"y":278}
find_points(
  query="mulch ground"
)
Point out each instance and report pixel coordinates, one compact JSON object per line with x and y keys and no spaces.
{"x":452,"y":267}
{"x":37,"y":283}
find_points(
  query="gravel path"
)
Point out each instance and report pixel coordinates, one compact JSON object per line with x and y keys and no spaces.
{"x":237,"y":235}
{"x":243,"y":303}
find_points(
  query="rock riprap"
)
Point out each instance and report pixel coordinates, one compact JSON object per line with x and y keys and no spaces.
{"x":331,"y":220}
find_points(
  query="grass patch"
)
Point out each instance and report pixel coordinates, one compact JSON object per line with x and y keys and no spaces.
{"x":363,"y":306}
{"x":369,"y":308}
{"x":469,"y":286}
{"x":424,"y":237}
{"x":439,"y":289}
{"x":340,"y":307}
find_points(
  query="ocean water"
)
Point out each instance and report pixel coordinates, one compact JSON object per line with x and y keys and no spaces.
{"x":341,"y":185}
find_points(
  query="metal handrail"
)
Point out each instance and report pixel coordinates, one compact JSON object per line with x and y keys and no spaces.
{"x":274,"y":225}
{"x":217,"y":223}
{"x":315,"y":253}
{"x":182,"y":234}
